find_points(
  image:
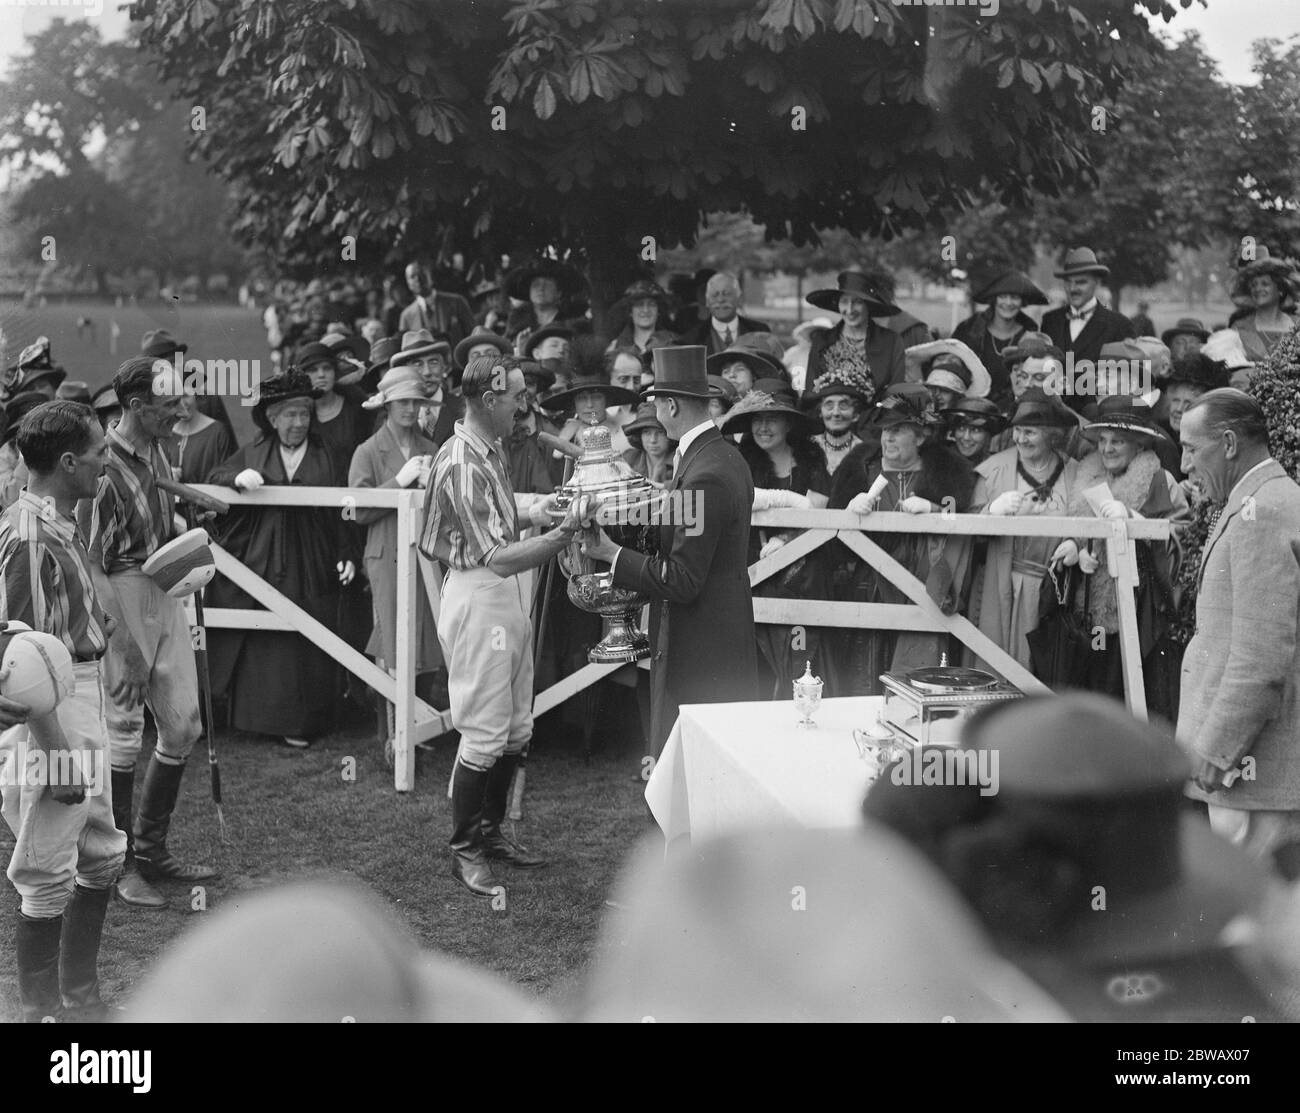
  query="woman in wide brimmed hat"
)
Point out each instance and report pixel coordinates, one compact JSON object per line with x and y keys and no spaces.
{"x":950,"y":370}
{"x":338,"y":419}
{"x":972,"y":423}
{"x":651,"y":452}
{"x":397,"y":457}
{"x":840,"y":397}
{"x":788,"y":471}
{"x":1126,"y":465}
{"x":542,"y":288}
{"x":743,"y":367}
{"x":858,"y":342}
{"x":640,"y":316}
{"x":1192,"y":376}
{"x":586,"y":401}
{"x":305,"y":553}
{"x":919,"y":474}
{"x":991,"y":331}
{"x":1268,"y":286}
{"x":1031,"y":478}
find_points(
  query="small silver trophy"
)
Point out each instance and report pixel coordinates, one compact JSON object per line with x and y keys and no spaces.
{"x":807,"y":695}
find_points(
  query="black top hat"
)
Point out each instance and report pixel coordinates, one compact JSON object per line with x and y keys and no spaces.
{"x":1199,"y":370}
{"x":1037,"y":407}
{"x":769,"y":396}
{"x":680,"y":370}
{"x":277,"y":389}
{"x":975,"y":411}
{"x":520,"y":279}
{"x":1186,"y":326}
{"x":1010,"y":282}
{"x":1082,"y":260}
{"x":160,"y":344}
{"x":855,"y":284}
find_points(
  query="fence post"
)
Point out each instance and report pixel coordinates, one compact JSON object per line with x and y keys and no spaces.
{"x":408,"y":521}
{"x":1122,"y":564}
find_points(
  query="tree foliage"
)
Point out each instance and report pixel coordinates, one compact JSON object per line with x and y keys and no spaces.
{"x":628,"y":118}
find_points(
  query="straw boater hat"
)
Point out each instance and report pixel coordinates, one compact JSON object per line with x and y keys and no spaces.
{"x":182,"y":566}
{"x":1082,"y":260}
{"x":474,"y":339}
{"x":417,"y":344}
{"x":520,"y":279}
{"x":979,"y":412}
{"x":1038,"y":408}
{"x":855,"y":284}
{"x":397,"y":384}
{"x":281,"y":388}
{"x":952,"y":365}
{"x":848,"y":381}
{"x":769,"y":396}
{"x":1032,"y":345}
{"x":1126,"y":414}
{"x":1186,"y":326}
{"x":1010,"y":282}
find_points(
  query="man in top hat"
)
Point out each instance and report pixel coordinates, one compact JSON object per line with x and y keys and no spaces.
{"x":725,"y":323}
{"x":472,"y":530}
{"x":1084,"y":325}
{"x":68,"y":849}
{"x":437,"y":312}
{"x":859,"y":342}
{"x":702,"y":614}
{"x":432,"y":360}
{"x":150,"y":656}
{"x":1185,"y":338}
{"x":160,"y":344}
{"x":1241,"y":672}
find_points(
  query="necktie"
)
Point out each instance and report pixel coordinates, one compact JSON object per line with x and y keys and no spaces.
{"x":1080,"y":314}
{"x":726,"y":337}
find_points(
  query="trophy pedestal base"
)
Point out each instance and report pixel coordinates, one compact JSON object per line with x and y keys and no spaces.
{"x":622,"y":642}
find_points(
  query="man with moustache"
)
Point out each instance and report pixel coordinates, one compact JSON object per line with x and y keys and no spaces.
{"x":1084,"y":325}
{"x":1241,"y":670}
{"x":725,"y":323}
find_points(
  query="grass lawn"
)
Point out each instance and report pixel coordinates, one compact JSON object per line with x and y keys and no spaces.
{"x":290,"y":815}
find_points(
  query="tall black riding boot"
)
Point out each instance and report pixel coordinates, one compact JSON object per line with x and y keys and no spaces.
{"x":36,"y":946}
{"x":83,"y":925}
{"x":131,"y":888}
{"x":499,"y":846}
{"x":162,"y":784}
{"x":469,"y":863}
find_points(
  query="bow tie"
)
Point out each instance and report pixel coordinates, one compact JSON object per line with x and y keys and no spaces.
{"x":1080,"y":314}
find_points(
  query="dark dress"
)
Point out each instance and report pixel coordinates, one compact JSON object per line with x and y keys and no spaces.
{"x":781,"y":654}
{"x":198,"y":454}
{"x":941,"y":562}
{"x":974,"y":333}
{"x":280,"y":683}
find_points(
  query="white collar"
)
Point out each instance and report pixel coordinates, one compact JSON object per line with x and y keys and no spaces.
{"x":292,"y":458}
{"x":733,"y":325}
{"x":691,"y":434}
{"x":1263,"y":463}
{"x":1087,"y":309}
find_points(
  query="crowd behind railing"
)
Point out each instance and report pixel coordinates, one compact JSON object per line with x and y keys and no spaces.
{"x":1074,"y":415}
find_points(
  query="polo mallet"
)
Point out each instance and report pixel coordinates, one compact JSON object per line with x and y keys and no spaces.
{"x":192,"y":499}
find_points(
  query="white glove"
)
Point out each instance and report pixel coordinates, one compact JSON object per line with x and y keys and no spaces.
{"x":410,"y":471}
{"x":1067,"y":552}
{"x":1007,"y":504}
{"x":249,"y":480}
{"x":346,"y":570}
{"x":1113,"y":508}
{"x":914,"y":504}
{"x":862,"y":503}
{"x":767,"y":498}
{"x":1088,"y":563}
{"x":776,"y":541}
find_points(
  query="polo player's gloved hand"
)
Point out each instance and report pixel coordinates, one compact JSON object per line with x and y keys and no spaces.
{"x":410,"y":471}
{"x":249,"y":480}
{"x":1007,"y":503}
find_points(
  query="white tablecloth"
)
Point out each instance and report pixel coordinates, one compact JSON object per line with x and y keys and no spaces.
{"x":731,"y":766}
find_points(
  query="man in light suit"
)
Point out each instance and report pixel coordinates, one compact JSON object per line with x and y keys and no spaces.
{"x":1241,"y":672}
{"x":1083,"y":326}
{"x":719,"y":330}
{"x":702,"y":614}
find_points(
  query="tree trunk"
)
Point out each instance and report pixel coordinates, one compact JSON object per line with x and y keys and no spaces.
{"x":613,"y":244}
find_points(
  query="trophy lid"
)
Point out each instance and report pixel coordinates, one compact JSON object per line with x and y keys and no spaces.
{"x":602,"y":472}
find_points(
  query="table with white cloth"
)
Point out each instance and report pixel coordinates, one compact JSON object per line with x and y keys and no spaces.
{"x":732,"y":766}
